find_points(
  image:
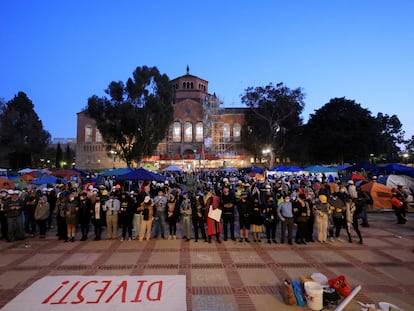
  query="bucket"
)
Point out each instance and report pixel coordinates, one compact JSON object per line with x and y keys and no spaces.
{"x":314,"y":295}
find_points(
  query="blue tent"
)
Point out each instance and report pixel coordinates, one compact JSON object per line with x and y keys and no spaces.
{"x":117,"y":171}
{"x":141,"y":174}
{"x":49,"y":180}
{"x":398,"y":169}
{"x":319,"y":169}
{"x":253,"y":169}
{"x":363,"y":165}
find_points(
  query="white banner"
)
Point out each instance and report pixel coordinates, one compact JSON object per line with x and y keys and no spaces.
{"x":103,"y":293}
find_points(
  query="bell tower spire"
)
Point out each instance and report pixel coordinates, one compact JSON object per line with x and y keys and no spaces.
{"x":188,"y":70}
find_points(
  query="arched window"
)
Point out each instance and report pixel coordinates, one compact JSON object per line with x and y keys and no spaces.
{"x":188,"y":132}
{"x":199,"y":131}
{"x":88,"y":133}
{"x":236,"y":132}
{"x":226,"y":132}
{"x":177,"y":132}
{"x":98,"y":136}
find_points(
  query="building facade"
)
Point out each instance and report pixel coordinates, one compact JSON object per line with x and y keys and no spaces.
{"x":203,"y":133}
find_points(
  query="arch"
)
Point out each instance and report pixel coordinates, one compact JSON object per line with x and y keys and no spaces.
{"x":176,"y":131}
{"x":226,"y":132}
{"x":236,"y":132}
{"x":188,"y":131}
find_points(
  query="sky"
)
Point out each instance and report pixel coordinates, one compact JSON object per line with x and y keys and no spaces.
{"x":60,"y":53}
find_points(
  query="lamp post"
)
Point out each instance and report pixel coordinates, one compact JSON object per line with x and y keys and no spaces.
{"x":405,"y":156}
{"x":113,"y":154}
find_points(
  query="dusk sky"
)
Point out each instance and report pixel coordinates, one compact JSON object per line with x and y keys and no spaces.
{"x":62,"y":52}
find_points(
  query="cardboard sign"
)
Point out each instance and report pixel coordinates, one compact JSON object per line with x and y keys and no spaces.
{"x":161,"y":292}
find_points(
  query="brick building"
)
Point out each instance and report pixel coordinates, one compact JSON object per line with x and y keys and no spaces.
{"x":203,"y":133}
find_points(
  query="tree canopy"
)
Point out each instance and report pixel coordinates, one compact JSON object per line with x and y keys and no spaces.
{"x":22,"y":136}
{"x":274,"y":114}
{"x":135,"y":116}
{"x":342,"y":131}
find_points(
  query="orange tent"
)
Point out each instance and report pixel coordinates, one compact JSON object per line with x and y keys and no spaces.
{"x":67,"y":174}
{"x":381,"y":194}
{"x":6,"y":184}
{"x":27,"y":178}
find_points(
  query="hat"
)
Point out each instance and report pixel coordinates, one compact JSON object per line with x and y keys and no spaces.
{"x":105,"y":192}
{"x":244,"y":193}
{"x":351,"y":182}
{"x":323,"y":198}
{"x":147,"y":199}
{"x":10,"y":192}
{"x":225,"y":179}
{"x":112,"y":194}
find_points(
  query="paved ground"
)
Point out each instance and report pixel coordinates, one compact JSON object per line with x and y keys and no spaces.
{"x":231,"y":275}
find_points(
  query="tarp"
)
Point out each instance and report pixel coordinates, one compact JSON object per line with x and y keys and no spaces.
{"x":49,"y":180}
{"x":66,"y":174}
{"x":141,"y":174}
{"x":362,"y":166}
{"x":398,"y":169}
{"x":254,"y":169}
{"x":117,"y":171}
{"x":381,"y":194}
{"x":319,"y":169}
{"x":173,"y":168}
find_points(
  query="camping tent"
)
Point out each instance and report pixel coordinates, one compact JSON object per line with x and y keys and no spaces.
{"x":392,"y":181}
{"x":398,"y":169}
{"x":381,"y":194}
{"x":49,"y":180}
{"x":6,"y":184}
{"x":68,"y":174}
{"x":117,"y":172}
{"x":141,"y":174}
{"x":172,"y":168}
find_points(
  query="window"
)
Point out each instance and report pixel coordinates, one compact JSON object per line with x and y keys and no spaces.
{"x":226,"y":132}
{"x":236,"y":132}
{"x":88,"y":133}
{"x":188,"y":132}
{"x":98,"y":136}
{"x":177,"y":132}
{"x":199,"y":131}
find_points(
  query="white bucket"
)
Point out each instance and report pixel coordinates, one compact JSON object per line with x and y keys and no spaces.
{"x":314,"y":295}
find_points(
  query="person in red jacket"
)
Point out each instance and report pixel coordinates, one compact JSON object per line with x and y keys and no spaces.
{"x":213,"y":226}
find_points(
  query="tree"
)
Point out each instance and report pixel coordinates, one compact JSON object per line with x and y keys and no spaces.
{"x":341,"y":131}
{"x":274,"y":113}
{"x":69,"y":155}
{"x":21,"y":132}
{"x":135,"y":117}
{"x":391,"y":134}
{"x":59,"y":156}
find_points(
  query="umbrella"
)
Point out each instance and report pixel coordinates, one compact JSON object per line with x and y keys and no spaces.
{"x":66,"y":174}
{"x":141,"y":174}
{"x":150,"y":167}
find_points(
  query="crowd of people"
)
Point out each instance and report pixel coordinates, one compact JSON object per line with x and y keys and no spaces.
{"x":216,"y":208}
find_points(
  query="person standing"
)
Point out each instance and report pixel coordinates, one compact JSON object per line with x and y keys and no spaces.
{"x":257,"y":219}
{"x":85,"y":213}
{"x":98,"y":217}
{"x":321,"y":210}
{"x":227,"y":206}
{"x":160,"y":203}
{"x":29,"y":211}
{"x":147,"y":208}
{"x":172,"y":216}
{"x":3,"y":215}
{"x":244,"y":208}
{"x":198,"y":216}
{"x":72,"y":208}
{"x":42,"y":214}
{"x":285,"y":213}
{"x":186,"y":212}
{"x":112,"y":207}
{"x":301,"y":211}
{"x":60,"y":209}
{"x":352,"y":219}
{"x":270,"y":214}
{"x":214,"y":228}
{"x":126,"y":216}
{"x":14,"y":209}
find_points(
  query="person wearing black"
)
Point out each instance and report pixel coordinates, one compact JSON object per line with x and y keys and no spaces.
{"x":84,"y":213}
{"x":29,"y":210}
{"x":244,"y":208}
{"x":310,"y":220}
{"x":338,"y":214}
{"x":126,"y":215}
{"x":98,"y":217}
{"x":227,"y":206}
{"x":270,"y":214}
{"x":198,"y":216}
{"x":301,"y":210}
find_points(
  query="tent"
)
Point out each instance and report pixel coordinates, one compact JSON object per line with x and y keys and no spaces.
{"x":117,"y":172}
{"x":253,"y":169}
{"x":392,"y":181}
{"x":172,"y":168}
{"x":6,"y":184}
{"x":398,"y":169}
{"x":320,"y":169}
{"x":68,"y":174}
{"x":381,"y":194}
{"x":150,"y":167}
{"x":141,"y":174}
{"x":49,"y":180}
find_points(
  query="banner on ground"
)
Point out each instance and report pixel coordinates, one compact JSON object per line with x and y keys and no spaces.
{"x":156,"y":292}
